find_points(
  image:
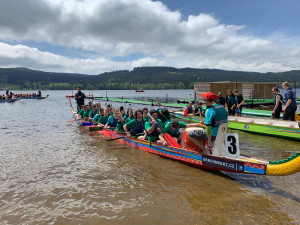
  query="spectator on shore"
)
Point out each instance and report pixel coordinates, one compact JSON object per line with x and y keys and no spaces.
{"x":290,"y":105}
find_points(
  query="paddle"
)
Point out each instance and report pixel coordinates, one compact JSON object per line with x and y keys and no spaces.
{"x":171,"y":141}
{"x":297,"y":117}
{"x":71,"y":121}
{"x":112,"y":139}
{"x":94,"y":128}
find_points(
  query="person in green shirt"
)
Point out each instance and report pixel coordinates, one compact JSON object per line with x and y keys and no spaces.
{"x":121,"y":122}
{"x":145,"y":114}
{"x":154,"y":129}
{"x":136,"y":126}
{"x":98,"y":116}
{"x":129,"y":113}
{"x":123,"y":112}
{"x":172,"y":128}
{"x":81,"y":113}
{"x":163,"y":115}
{"x":86,"y":113}
{"x":103,"y":119}
{"x":93,"y":112}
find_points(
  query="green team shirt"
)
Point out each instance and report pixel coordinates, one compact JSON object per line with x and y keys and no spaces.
{"x":131,"y":124}
{"x":86,"y":114}
{"x":163,"y":118}
{"x":168,"y":129}
{"x":103,"y":120}
{"x":81,"y":112}
{"x":146,"y":118}
{"x":93,"y":113}
{"x":148,"y":125}
{"x":121,"y":124}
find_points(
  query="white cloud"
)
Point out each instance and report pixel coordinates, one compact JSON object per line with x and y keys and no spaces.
{"x":124,"y":27}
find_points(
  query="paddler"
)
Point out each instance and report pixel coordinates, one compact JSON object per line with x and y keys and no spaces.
{"x":163,"y":115}
{"x":136,"y":126}
{"x":172,"y":128}
{"x":93,"y":112}
{"x":86,"y":113}
{"x":103,"y":119}
{"x":277,"y":102}
{"x":121,"y":121}
{"x":79,"y":97}
{"x":215,"y":115}
{"x":290,"y":105}
{"x":145,"y":114}
{"x":190,"y":110}
{"x":98,"y":116}
{"x":154,"y":129}
{"x":112,"y":120}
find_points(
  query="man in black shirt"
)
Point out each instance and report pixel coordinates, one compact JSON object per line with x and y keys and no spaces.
{"x":221,"y":99}
{"x":79,"y":97}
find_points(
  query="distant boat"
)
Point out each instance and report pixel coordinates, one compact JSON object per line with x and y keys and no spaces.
{"x":140,"y":90}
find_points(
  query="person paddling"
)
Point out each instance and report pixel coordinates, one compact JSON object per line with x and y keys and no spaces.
{"x":136,"y":126}
{"x":172,"y":128}
{"x":154,"y":129}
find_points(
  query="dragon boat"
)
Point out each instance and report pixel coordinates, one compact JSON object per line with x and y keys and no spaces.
{"x":220,"y":160}
{"x":276,"y":128}
{"x":8,"y":100}
{"x":35,"y":97}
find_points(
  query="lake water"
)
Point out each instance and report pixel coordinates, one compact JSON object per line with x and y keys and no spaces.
{"x":53,"y":172}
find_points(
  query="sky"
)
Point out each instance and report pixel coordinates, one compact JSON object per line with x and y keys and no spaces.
{"x":96,"y":36}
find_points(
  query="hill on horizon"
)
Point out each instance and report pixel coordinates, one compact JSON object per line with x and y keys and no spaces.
{"x":140,"y":77}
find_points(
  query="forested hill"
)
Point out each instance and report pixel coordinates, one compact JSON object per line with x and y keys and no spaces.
{"x":141,"y":77}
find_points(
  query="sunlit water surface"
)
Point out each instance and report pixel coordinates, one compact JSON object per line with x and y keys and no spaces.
{"x":53,"y":172}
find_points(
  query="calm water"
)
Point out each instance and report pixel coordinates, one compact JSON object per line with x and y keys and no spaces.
{"x":52,"y":172}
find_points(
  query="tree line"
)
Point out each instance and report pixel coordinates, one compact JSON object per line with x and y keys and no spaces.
{"x":140,"y":77}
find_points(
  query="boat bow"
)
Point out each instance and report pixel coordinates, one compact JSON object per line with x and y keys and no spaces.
{"x":284,"y":167}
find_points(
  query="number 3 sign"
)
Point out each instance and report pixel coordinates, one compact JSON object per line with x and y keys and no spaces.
{"x":232,"y":145}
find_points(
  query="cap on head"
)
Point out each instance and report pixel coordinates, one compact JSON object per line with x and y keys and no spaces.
{"x":209,"y":96}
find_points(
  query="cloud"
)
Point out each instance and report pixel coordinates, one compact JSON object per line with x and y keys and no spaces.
{"x":124,"y":27}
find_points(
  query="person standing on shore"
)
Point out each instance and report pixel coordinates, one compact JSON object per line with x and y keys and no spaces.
{"x":79,"y":97}
{"x":291,"y":105}
{"x":277,"y":102}
{"x":239,"y":101}
{"x":229,"y":102}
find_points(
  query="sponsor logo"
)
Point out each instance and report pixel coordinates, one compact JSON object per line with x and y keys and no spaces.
{"x":222,"y":163}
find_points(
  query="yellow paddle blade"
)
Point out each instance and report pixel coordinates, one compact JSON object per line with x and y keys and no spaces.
{"x":297,"y":117}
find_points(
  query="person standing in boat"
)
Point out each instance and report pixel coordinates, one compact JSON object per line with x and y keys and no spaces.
{"x":277,"y":102}
{"x":229,"y":102}
{"x":79,"y":97}
{"x":39,"y":94}
{"x":215,"y":115}
{"x":239,"y":101}
{"x":290,"y":105}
